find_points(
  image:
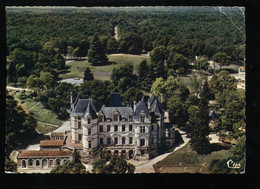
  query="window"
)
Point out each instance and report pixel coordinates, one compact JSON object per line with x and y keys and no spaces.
{"x":79,"y":125}
{"x":101,"y":128}
{"x":116,"y":127}
{"x":37,"y":163}
{"x":100,"y":118}
{"x":89,"y":131}
{"x":142,"y":152}
{"x":123,"y":128}
{"x":108,"y":141}
{"x":152,"y":128}
{"x":108,"y":128}
{"x":58,"y":162}
{"x":130,"y":118}
{"x":80,"y":137}
{"x":116,"y":140}
{"x":30,"y":162}
{"x":142,"y":119}
{"x":89,"y":121}
{"x":101,"y":141}
{"x":130,"y":127}
{"x":123,"y":140}
{"x":142,"y":142}
{"x":131,"y":140}
{"x":23,"y":163}
{"x":79,"y":118}
{"x":51,"y":162}
{"x":89,"y":144}
{"x":142,"y":129}
{"x":116,"y":117}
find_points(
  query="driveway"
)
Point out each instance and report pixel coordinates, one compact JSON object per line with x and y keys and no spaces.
{"x":148,"y":166}
{"x":65,"y":127}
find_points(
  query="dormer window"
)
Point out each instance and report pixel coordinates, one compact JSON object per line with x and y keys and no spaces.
{"x":130,"y":117}
{"x":101,"y":118}
{"x":142,"y":119}
{"x":116,"y":117}
{"x":79,"y":118}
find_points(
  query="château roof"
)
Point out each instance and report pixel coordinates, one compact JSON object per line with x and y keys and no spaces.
{"x":51,"y":142}
{"x":141,"y":107}
{"x":80,"y":106}
{"x":115,"y":100}
{"x":155,"y":105}
{"x":44,"y":153}
{"x":90,"y":111}
{"x":109,"y":111}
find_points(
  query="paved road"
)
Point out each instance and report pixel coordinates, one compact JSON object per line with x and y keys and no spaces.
{"x":148,"y":166}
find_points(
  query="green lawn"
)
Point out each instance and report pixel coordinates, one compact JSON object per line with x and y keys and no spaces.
{"x":41,"y":114}
{"x":77,"y":68}
{"x":186,"y":158}
{"x":42,"y":128}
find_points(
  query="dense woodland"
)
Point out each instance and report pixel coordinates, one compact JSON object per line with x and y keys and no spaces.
{"x":38,"y":44}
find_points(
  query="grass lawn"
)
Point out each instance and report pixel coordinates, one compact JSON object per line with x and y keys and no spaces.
{"x":77,"y":68}
{"x":185,"y":160}
{"x":41,"y":114}
{"x":42,"y":128}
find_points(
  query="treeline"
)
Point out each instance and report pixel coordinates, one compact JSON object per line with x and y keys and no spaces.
{"x":198,"y":33}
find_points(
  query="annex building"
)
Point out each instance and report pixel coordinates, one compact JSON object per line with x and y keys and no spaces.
{"x":137,"y":132}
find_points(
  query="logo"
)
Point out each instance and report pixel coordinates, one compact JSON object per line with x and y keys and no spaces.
{"x":233,"y":165}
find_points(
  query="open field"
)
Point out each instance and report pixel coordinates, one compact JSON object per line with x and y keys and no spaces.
{"x":185,"y":160}
{"x":78,"y":67}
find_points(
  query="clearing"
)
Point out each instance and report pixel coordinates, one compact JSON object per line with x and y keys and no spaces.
{"x":78,"y":67}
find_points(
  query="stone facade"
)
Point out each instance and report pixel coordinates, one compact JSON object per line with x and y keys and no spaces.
{"x":132,"y":133}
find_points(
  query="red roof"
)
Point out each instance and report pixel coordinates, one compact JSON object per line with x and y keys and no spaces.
{"x":31,"y":153}
{"x":51,"y":142}
{"x":57,"y":134}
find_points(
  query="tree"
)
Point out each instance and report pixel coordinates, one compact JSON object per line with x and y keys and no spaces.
{"x":47,"y":79}
{"x":88,"y":76}
{"x":202,"y":63}
{"x":12,"y":72}
{"x":200,"y":132}
{"x":158,"y":57}
{"x":69,"y":168}
{"x":96,"y":53}
{"x":112,"y":45}
{"x":116,"y":165}
{"x":177,"y":61}
{"x":131,"y":95}
{"x":145,"y":76}
{"x":221,"y":58}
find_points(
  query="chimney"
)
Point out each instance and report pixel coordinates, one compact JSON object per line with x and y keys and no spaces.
{"x":134,"y":106}
{"x":161,"y":98}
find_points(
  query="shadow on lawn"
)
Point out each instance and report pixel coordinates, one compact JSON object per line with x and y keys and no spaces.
{"x":217,"y":147}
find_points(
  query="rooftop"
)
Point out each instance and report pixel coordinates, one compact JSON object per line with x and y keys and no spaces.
{"x":57,"y":134}
{"x":35,"y":153}
{"x":115,"y":100}
{"x":51,"y":142}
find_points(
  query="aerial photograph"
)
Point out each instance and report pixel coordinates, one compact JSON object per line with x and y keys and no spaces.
{"x":125,"y":90}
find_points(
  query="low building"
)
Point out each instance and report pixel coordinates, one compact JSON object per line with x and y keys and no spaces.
{"x":57,"y":135}
{"x":43,"y":159}
{"x":51,"y":144}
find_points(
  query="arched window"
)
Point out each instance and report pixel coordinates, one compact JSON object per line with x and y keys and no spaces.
{"x":108,"y":141}
{"x":44,"y":163}
{"x":116,"y":140}
{"x":23,"y":164}
{"x":65,"y":161}
{"x":142,"y":142}
{"x":37,"y":163}
{"x":123,"y":140}
{"x":30,"y":162}
{"x":51,"y":162}
{"x":116,"y":153}
{"x":58,"y":162}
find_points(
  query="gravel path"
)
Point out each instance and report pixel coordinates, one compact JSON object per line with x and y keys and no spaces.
{"x":148,"y":166}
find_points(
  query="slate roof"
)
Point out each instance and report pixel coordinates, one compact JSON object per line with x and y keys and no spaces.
{"x":109,"y":111}
{"x":90,"y":111}
{"x":35,"y":153}
{"x":115,"y":100}
{"x":141,"y":106}
{"x":155,"y":105}
{"x":80,"y":106}
{"x":51,"y":142}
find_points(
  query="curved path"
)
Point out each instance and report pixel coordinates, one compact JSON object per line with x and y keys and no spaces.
{"x":148,"y":166}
